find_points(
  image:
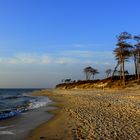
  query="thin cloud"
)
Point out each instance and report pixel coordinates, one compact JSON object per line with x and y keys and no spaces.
{"x":88,"y":54}
{"x":43,"y":59}
{"x":25,"y":58}
{"x":87,"y":45}
{"x":65,"y":57}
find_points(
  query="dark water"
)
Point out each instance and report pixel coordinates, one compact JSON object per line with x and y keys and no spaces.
{"x":20,"y":112}
{"x":16,"y":101}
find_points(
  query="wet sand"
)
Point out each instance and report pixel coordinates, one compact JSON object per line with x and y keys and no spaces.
{"x":18,"y":127}
{"x":92,"y":114}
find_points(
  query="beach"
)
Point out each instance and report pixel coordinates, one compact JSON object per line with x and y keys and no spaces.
{"x":91,"y":114}
{"x":20,"y":112}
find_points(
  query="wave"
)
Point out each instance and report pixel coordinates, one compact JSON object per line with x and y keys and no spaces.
{"x":5,"y":127}
{"x":12,"y":112}
{"x":9,"y":97}
{"x":30,"y":105}
{"x":6,"y":133}
{"x":13,"y":97}
{"x":39,"y":102}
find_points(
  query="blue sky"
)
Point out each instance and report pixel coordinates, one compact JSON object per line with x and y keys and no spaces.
{"x":44,"y":41}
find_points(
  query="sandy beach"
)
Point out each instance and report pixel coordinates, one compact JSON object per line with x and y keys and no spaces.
{"x":91,"y":114}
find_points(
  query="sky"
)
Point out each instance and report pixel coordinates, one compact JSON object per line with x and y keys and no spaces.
{"x":45,"y":41}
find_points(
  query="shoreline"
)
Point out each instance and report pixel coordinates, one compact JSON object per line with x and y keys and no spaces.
{"x":39,"y":132}
{"x":91,"y":114}
{"x":19,"y":126}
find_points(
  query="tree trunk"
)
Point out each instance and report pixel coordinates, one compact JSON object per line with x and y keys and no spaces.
{"x":115,"y":70}
{"x":86,"y":76}
{"x":136,"y":68}
{"x":121,"y":71}
{"x":123,"y":74}
{"x":138,"y":72}
{"x":121,"y":66}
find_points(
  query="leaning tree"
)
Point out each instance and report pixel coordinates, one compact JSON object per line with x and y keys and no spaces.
{"x":89,"y":71}
{"x":134,"y":55}
{"x":137,"y":56}
{"x":108,"y":72}
{"x":94,"y":72}
{"x":122,"y":53}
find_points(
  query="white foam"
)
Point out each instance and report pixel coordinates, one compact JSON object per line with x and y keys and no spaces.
{"x":40,"y":102}
{"x":4,"y":127}
{"x":24,"y":113}
{"x":6,"y":133}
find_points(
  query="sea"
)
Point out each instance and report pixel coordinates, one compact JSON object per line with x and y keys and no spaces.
{"x":20,"y":112}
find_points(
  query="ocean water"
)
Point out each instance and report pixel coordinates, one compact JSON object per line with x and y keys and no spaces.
{"x":16,"y":101}
{"x":20,"y":112}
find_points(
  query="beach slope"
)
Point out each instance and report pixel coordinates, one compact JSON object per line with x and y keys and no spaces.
{"x":91,"y":114}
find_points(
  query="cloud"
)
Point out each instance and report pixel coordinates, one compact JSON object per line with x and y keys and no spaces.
{"x":87,"y":45}
{"x":65,"y":60}
{"x":87,"y":54}
{"x":62,"y":57}
{"x":43,"y":59}
{"x":25,"y":58}
{"x":78,"y":53}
